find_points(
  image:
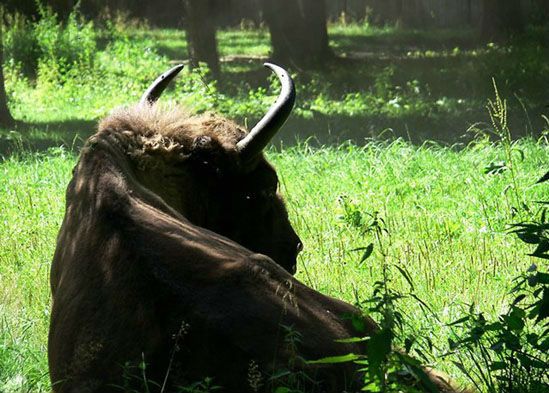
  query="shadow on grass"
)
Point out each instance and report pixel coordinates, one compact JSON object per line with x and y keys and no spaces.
{"x":41,"y":136}
{"x":318,"y":130}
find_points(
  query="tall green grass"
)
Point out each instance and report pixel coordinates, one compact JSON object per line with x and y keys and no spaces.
{"x":445,"y":210}
{"x":445,"y":218}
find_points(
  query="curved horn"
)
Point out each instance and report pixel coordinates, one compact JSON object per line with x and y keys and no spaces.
{"x":262,"y":133}
{"x":153,"y":93}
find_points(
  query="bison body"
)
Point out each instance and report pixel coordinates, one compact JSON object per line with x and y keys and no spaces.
{"x":174,"y":262}
{"x":133,"y":277}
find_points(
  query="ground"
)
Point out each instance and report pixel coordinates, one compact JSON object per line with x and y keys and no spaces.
{"x":444,"y":206}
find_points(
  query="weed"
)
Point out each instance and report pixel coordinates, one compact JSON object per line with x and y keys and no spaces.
{"x":511,"y":353}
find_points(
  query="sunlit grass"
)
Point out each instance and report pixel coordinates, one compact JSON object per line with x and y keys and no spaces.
{"x":399,"y":76}
{"x":445,"y":220}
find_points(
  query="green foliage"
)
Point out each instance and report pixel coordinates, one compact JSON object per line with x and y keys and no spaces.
{"x":21,"y":46}
{"x":205,"y":386}
{"x":511,"y":353}
{"x":445,"y":209}
{"x":385,"y":368}
{"x":434,"y":230}
{"x":287,"y":378}
{"x":50,"y":48}
{"x":95,"y":63}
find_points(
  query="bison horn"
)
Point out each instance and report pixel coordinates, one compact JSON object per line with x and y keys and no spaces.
{"x":153,"y":93}
{"x":262,"y":133}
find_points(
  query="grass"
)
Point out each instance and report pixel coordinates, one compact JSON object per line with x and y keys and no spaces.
{"x":445,"y":217}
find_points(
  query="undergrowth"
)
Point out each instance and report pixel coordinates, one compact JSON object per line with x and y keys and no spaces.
{"x":424,"y":229}
{"x":84,"y":68}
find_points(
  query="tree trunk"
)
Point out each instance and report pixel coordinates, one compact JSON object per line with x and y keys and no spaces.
{"x":299,"y":34}
{"x":5,"y":116}
{"x":469,"y":13}
{"x":542,"y":9}
{"x":413,"y":14}
{"x":201,"y":39}
{"x":500,"y":19}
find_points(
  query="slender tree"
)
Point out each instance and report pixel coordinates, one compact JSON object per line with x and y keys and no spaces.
{"x":5,"y":116}
{"x":500,"y":19}
{"x":201,"y":38}
{"x":299,"y":34}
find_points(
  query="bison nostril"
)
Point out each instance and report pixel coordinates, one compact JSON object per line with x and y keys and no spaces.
{"x":299,"y":247}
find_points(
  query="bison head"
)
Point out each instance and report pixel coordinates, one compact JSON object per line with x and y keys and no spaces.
{"x":212,"y":171}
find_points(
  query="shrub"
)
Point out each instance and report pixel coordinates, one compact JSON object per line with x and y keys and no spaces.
{"x":49,"y":48}
{"x":20,"y":44}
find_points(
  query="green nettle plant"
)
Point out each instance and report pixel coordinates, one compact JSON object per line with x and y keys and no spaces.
{"x":286,"y":379}
{"x":511,"y":354}
{"x":385,"y":369}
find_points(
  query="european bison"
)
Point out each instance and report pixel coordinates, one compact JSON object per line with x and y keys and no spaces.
{"x":174,"y":257}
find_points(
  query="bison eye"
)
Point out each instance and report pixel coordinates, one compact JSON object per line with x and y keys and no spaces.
{"x":262,"y":195}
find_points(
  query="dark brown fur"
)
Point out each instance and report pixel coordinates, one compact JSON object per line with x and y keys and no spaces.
{"x":169,"y":239}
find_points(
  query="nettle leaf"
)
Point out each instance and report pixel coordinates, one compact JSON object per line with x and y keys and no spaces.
{"x":542,"y":248}
{"x":543,"y":306}
{"x":518,"y":299}
{"x":495,"y":366}
{"x":529,"y":237}
{"x":406,"y":276}
{"x":408,"y":342}
{"x":459,"y":321}
{"x":379,"y":348}
{"x":544,"y":178}
{"x":359,"y":323}
{"x":495,"y":168}
{"x":350,"y":357}
{"x":452,"y":344}
{"x":543,"y":278}
{"x":352,"y":340}
{"x":515,"y":320}
{"x":495,"y":326}
{"x":367,"y":253}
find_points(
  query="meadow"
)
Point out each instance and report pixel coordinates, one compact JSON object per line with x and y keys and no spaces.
{"x":444,"y":209}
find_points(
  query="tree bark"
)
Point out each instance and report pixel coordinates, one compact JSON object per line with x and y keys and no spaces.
{"x":500,"y":19}
{"x":413,"y":14}
{"x":542,"y":8}
{"x":201,"y":38}
{"x":299,"y":34}
{"x":469,"y":12}
{"x":6,"y":119}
